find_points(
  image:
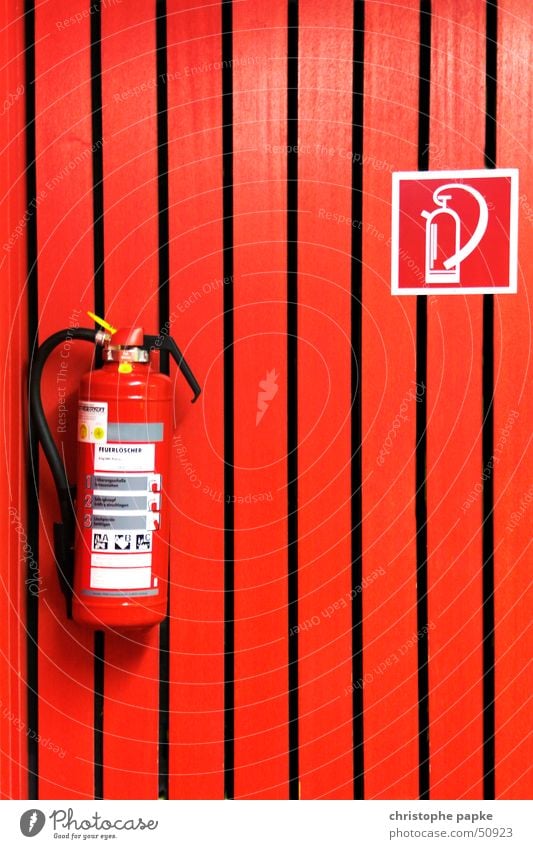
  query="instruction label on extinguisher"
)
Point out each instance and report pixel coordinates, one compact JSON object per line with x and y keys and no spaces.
{"x":122,"y":511}
{"x":92,"y":421}
{"x":125,"y":457}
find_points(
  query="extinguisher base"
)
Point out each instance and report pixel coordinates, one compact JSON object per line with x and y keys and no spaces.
{"x":132,"y":616}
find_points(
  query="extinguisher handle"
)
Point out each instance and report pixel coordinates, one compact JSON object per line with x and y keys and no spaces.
{"x":167,"y":343}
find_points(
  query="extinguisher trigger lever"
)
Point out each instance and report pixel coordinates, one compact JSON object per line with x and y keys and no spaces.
{"x":167,"y":343}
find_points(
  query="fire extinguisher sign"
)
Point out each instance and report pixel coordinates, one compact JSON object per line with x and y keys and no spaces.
{"x":454,"y":232}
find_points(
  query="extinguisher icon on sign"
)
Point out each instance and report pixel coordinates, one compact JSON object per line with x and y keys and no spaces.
{"x":111,"y":545}
{"x":444,"y":253}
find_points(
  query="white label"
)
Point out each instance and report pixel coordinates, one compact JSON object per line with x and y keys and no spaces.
{"x":112,"y":561}
{"x":92,"y":421}
{"x":125,"y":457}
{"x":120,"y":579}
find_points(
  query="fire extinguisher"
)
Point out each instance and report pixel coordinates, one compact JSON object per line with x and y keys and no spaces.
{"x":111,"y":546}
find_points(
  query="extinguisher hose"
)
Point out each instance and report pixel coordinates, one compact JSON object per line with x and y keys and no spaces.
{"x":64,"y":531}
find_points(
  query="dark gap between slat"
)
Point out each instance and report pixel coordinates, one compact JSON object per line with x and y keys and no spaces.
{"x":32,"y":469}
{"x":164,"y":311}
{"x":99,"y":308}
{"x":229,"y":442}
{"x":292,"y":391}
{"x":421,"y":431}
{"x":99,"y":668}
{"x":356,"y":396}
{"x":489,"y":692}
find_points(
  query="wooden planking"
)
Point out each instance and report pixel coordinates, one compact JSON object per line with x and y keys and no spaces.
{"x":513,"y":414}
{"x":131,"y":683}
{"x":65,"y":267}
{"x":13,"y":717}
{"x":324,"y":354}
{"x":260,"y":353}
{"x":454,"y":413}
{"x":389,"y":381}
{"x":196,"y":734}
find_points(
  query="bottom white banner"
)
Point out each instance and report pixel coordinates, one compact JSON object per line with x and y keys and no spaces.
{"x":260,"y":825}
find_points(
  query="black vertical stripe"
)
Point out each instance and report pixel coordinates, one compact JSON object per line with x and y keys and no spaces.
{"x":421,"y":420}
{"x":97,"y":159}
{"x":229,"y":447}
{"x":164,"y":311}
{"x":356,"y":395}
{"x":292,"y":391}
{"x":32,"y":477}
{"x":487,"y":439}
{"x":99,"y":669}
{"x":99,"y":308}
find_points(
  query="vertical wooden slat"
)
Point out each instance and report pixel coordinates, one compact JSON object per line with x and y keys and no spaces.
{"x":14,"y":728}
{"x":324,"y":356}
{"x":65,"y":268}
{"x":454,"y":505}
{"x":131,"y":682}
{"x":513,"y":414}
{"x":389,"y":391}
{"x":196,"y":733}
{"x":260,"y":168}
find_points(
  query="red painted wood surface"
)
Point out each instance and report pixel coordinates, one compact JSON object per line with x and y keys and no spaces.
{"x":65,"y":268}
{"x":260,"y":392}
{"x":512,"y":424}
{"x":389,"y":386}
{"x":65,"y":265}
{"x":14,"y":729}
{"x":454,"y":462}
{"x":324,"y":350}
{"x":196,"y":733}
{"x":131,"y":682}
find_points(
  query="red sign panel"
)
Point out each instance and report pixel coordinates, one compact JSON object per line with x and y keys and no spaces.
{"x":454,"y":232}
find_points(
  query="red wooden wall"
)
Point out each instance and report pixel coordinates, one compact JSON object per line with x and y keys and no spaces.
{"x":224,"y":170}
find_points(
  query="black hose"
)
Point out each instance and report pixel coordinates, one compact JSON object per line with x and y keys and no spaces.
{"x":64,"y":532}
{"x":37,"y":412}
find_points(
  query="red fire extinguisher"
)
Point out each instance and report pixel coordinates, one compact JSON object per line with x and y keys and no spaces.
{"x":111,"y":545}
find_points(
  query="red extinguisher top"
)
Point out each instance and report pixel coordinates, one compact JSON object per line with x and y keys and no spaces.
{"x":132,"y":337}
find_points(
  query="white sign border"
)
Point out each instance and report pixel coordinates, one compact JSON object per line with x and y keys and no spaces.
{"x":479,"y":173}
